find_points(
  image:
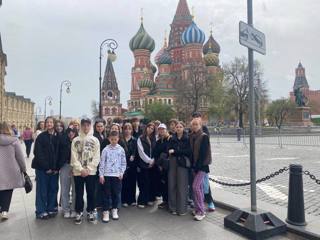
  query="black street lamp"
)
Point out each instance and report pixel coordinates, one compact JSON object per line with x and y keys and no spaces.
{"x":66,"y":83}
{"x":49,"y":99}
{"x":111,"y":45}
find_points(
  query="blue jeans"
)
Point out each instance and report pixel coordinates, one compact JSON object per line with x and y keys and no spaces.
{"x":47,"y":186}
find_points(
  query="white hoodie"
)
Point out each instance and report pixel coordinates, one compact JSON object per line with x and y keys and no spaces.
{"x":85,"y":153}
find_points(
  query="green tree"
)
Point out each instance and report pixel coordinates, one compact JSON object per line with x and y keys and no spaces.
{"x":159,"y":111}
{"x":279,"y":111}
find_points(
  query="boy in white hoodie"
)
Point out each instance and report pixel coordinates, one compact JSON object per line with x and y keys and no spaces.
{"x":111,"y":169}
{"x":85,"y":157}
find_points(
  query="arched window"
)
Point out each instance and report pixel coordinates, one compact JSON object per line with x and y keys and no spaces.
{"x":114,"y":111}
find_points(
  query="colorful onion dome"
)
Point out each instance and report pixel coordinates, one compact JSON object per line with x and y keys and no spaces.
{"x":211,"y":59}
{"x":211,"y":43}
{"x":142,"y":40}
{"x":147,"y":84}
{"x":165,"y":58}
{"x":193,"y":34}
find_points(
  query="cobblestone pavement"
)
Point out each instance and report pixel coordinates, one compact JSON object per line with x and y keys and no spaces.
{"x":231,"y":164}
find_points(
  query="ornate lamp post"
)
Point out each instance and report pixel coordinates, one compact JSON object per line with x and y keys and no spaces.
{"x":66,"y":83}
{"x":49,"y":99}
{"x":111,"y":44}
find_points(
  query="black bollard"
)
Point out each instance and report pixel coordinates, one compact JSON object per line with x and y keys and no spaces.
{"x":296,"y":214}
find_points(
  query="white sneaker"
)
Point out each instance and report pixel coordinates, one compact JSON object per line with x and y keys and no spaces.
{"x":73,"y":214}
{"x":115,"y":215}
{"x":105,"y":216}
{"x":66,"y":214}
{"x":125,"y":205}
{"x":4,"y":216}
{"x":150,"y":203}
{"x":141,"y":206}
{"x":199,"y":217}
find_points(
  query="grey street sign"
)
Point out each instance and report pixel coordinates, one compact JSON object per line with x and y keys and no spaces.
{"x":252,"y":38}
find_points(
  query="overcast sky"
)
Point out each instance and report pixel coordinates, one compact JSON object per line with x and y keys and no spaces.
{"x":49,"y":41}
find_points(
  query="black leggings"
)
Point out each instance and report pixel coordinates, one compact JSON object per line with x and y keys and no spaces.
{"x":5,"y":200}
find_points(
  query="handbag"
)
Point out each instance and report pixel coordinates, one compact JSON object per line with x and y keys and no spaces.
{"x":184,"y":161}
{"x":28,"y":185}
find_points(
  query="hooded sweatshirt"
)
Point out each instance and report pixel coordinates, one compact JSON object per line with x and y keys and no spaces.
{"x":113,"y":161}
{"x":85,"y":153}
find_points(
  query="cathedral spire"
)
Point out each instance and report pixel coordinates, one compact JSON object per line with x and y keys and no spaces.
{"x":182,"y":12}
{"x":109,"y":80}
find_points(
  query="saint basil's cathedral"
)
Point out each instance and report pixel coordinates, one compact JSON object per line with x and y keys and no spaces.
{"x":150,"y":83}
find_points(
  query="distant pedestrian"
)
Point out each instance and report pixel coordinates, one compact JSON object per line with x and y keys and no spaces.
{"x":66,"y":177}
{"x":201,"y":150}
{"x":12,"y":167}
{"x":179,"y":165}
{"x":28,"y":139}
{"x":85,"y":157}
{"x":111,"y":169}
{"x":46,"y":167}
{"x":15,"y":131}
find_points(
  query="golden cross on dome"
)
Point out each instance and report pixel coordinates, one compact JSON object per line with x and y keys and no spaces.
{"x":141,"y":15}
{"x":211,"y":28}
{"x":192,"y":13}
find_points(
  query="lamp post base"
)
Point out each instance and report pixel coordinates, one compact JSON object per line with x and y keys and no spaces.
{"x":255,"y":225}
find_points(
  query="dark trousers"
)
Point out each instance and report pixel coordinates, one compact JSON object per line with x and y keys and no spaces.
{"x":129,"y":185}
{"x":164,"y":185}
{"x":47,"y":186}
{"x":111,"y":192}
{"x":98,"y":195}
{"x":28,"y":144}
{"x":5,"y":200}
{"x":156,"y":184}
{"x":144,"y":184}
{"x":89,"y":182}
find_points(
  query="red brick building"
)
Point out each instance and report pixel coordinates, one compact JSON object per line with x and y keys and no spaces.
{"x":186,"y":47}
{"x":313,"y":96}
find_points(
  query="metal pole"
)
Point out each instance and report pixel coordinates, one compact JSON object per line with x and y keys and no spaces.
{"x":100,"y":78}
{"x":45,"y":108}
{"x":259,"y":125}
{"x":60,"y":100}
{"x":252,"y":117}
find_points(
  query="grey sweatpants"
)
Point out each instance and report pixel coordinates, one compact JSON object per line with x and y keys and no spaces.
{"x":178,"y":187}
{"x":67,"y":183}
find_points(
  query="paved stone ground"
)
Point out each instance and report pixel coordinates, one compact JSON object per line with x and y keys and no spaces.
{"x":231,"y":164}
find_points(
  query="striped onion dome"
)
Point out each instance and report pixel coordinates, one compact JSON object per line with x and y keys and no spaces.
{"x":147,"y":84}
{"x":142,"y":40}
{"x":165,"y":58}
{"x":212,"y":43}
{"x":193,"y":34}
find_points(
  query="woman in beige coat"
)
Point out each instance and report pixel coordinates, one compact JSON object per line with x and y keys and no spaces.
{"x":12,"y":167}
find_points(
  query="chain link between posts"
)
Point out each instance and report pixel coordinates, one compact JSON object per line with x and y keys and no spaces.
{"x":313,"y":177}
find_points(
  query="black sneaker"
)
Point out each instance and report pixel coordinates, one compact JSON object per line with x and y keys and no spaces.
{"x":52,"y":214}
{"x":91,"y":217}
{"x":78,"y":219}
{"x":163,"y":205}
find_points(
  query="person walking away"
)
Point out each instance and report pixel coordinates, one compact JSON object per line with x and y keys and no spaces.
{"x":45,"y":163}
{"x":111,"y":169}
{"x":12,"y":167}
{"x":201,"y":150}
{"x":160,"y":171}
{"x":179,"y":165}
{"x":85,"y":157}
{"x":145,"y":160}
{"x":129,"y":184}
{"x":28,"y":139}
{"x":66,"y":178}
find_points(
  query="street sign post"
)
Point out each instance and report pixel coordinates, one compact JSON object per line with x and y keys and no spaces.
{"x":252,"y":38}
{"x":253,"y":223}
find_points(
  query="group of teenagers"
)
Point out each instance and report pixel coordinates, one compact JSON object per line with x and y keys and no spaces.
{"x":110,"y":161}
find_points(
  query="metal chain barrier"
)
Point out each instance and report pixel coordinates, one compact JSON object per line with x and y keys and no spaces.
{"x":272,"y":175}
{"x":313,"y":177}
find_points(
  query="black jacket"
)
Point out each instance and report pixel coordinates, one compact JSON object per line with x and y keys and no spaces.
{"x":181,"y":146}
{"x":130,"y":150}
{"x":204,"y":146}
{"x":162,"y":146}
{"x":148,"y":150}
{"x":46,"y":151}
{"x":64,"y":156}
{"x":103,"y":141}
{"x":137,"y":134}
